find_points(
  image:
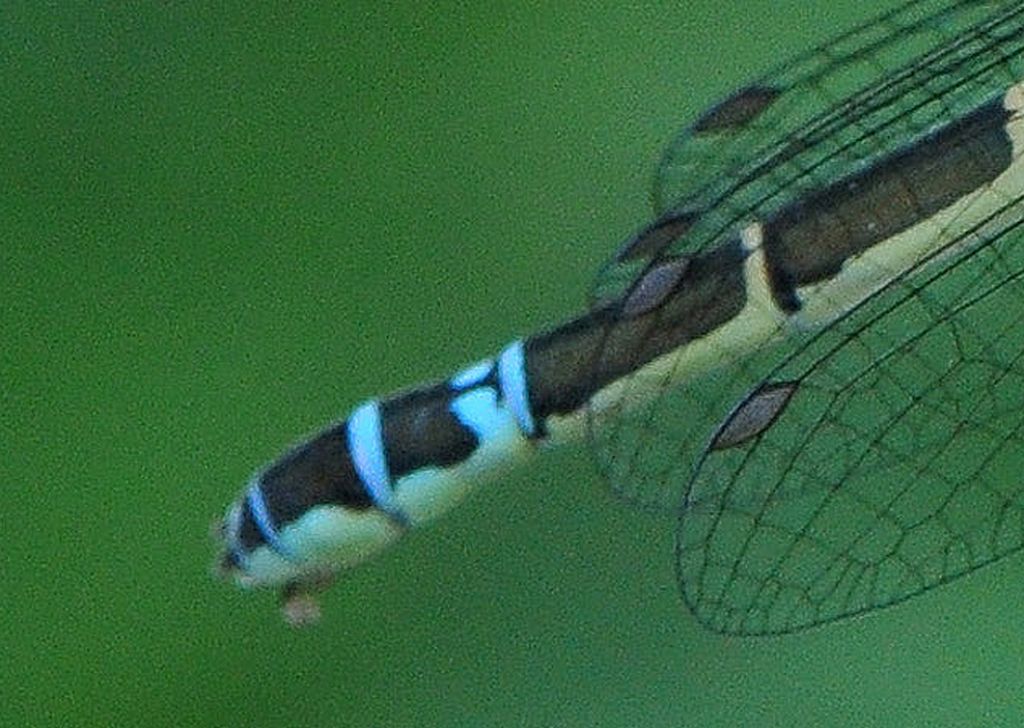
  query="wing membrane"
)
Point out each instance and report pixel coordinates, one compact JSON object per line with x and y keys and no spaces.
{"x":895,"y":467}
{"x":838,"y":109}
{"x":813,"y":94}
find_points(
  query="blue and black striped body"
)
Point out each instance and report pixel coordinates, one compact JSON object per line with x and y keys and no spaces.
{"x":401,"y":461}
{"x":392,"y":465}
{"x":818,"y":219}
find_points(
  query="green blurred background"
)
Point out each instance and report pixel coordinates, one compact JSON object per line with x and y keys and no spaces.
{"x":224,"y":226}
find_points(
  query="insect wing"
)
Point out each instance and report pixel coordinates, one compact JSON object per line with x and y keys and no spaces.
{"x":839,"y":110}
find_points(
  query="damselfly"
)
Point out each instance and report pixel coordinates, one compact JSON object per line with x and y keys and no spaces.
{"x":812,"y":355}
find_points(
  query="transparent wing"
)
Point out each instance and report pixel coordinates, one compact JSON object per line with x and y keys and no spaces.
{"x":835,"y":111}
{"x":894,"y":466}
{"x":813,"y":91}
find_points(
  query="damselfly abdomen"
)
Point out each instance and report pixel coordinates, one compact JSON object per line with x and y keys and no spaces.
{"x":812,"y":354}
